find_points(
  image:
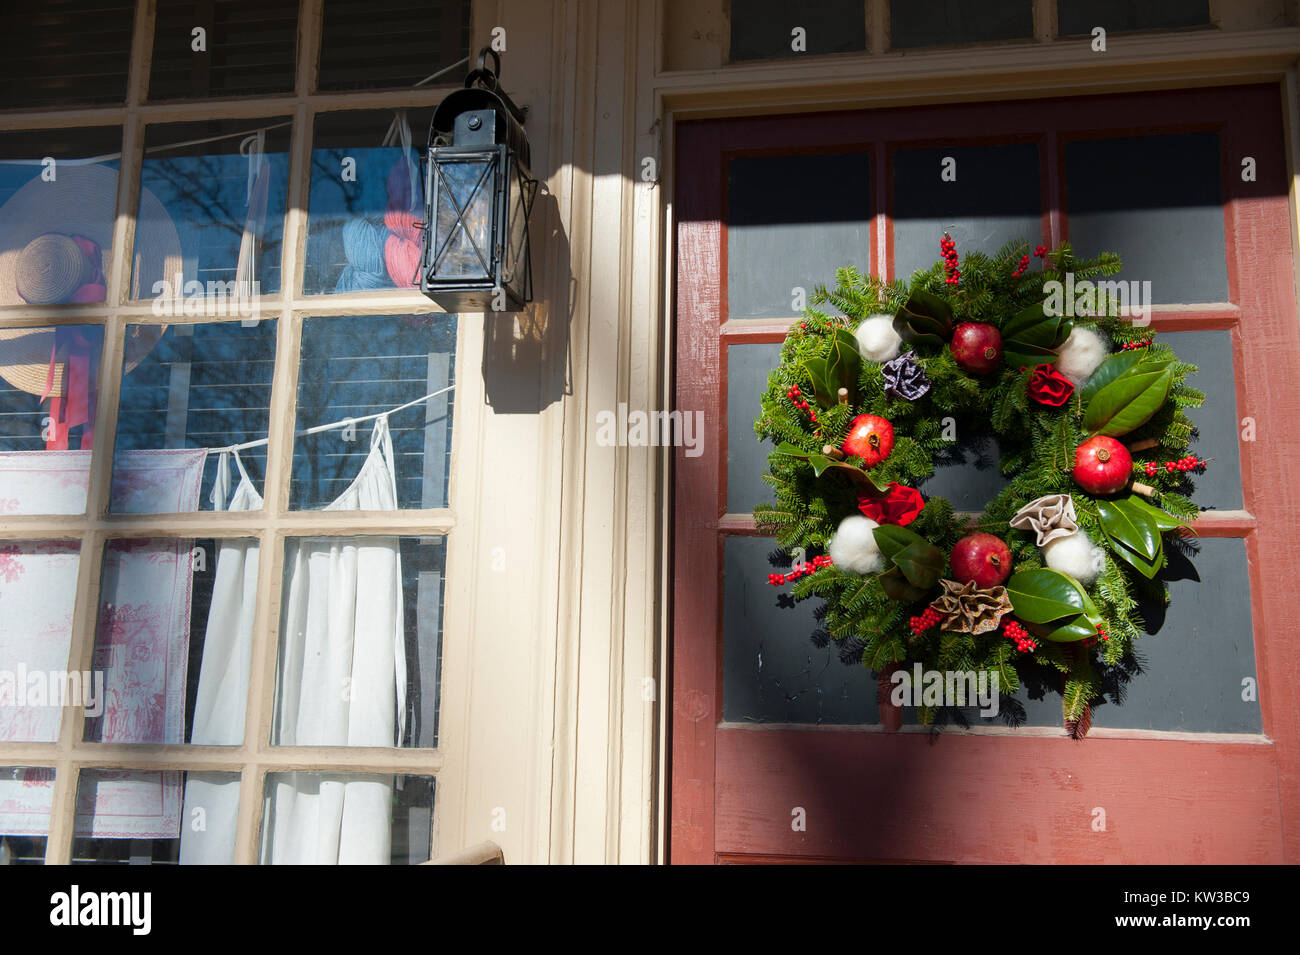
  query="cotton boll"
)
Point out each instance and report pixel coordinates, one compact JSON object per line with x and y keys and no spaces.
{"x":1080,"y":355}
{"x":853,"y":547}
{"x":1074,"y":555}
{"x":877,"y":340}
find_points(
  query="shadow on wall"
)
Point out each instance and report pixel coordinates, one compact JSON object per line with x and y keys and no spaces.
{"x":526,"y":364}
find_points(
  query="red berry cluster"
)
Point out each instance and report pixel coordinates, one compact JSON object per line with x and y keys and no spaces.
{"x":1101,"y":635}
{"x":1020,"y":269}
{"x":799,"y":570}
{"x":1040,"y":251}
{"x":924,"y":622}
{"x":1131,"y":346}
{"x":949,"y":249}
{"x":796,"y":397}
{"x":1024,"y":642}
{"x":1189,"y":463}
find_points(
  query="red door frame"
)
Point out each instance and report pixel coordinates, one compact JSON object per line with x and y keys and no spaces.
{"x":872,"y":793}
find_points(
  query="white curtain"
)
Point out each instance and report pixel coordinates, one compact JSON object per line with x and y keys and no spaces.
{"x":340,"y":681}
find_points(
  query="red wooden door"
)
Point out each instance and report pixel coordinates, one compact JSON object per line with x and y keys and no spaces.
{"x":1179,"y":784}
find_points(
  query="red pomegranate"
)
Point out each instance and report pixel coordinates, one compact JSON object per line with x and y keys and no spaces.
{"x":871,"y":438}
{"x":1102,"y":465}
{"x":982,"y":558}
{"x":977,"y":347}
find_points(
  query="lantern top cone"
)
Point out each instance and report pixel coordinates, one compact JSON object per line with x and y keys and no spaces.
{"x":478,"y":196}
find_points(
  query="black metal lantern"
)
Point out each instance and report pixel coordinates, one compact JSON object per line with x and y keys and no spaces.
{"x":478,"y":195}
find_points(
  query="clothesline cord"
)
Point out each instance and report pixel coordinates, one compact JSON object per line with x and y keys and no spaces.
{"x":333,"y":425}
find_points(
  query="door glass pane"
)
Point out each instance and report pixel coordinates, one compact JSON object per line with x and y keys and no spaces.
{"x":360,"y":642}
{"x":38,"y":581}
{"x":367,"y":195}
{"x":172,"y":643}
{"x":186,"y":388}
{"x":1198,"y":651}
{"x":747,"y":369}
{"x":155,"y":818}
{"x":347,"y":819}
{"x":764,"y":28}
{"x":26,"y":795}
{"x":353,"y":367}
{"x":212,"y":207}
{"x":49,"y":394}
{"x":1148,"y":196}
{"x":993,"y":199}
{"x":914,"y":23}
{"x":791,"y":222}
{"x":774,"y":671}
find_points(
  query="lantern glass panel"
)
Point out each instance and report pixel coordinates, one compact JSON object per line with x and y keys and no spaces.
{"x":516,"y":263}
{"x":464,"y":190}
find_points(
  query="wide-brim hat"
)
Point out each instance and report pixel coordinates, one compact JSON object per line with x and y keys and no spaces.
{"x":79,"y":201}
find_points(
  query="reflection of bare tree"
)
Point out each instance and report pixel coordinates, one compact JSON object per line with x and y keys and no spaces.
{"x":327,"y":163}
{"x":196,"y":196}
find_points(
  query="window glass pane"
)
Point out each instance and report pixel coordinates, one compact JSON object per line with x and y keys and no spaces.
{"x":914,"y":23}
{"x":1217,"y":425}
{"x":244,"y":48}
{"x":792,"y":221}
{"x":365,"y":200}
{"x":26,"y":795}
{"x":347,"y":819}
{"x":774,"y":671}
{"x":187,"y":388}
{"x":1197,"y":651}
{"x":364,"y":365}
{"x":155,"y":818}
{"x":993,"y":199}
{"x":764,"y":28}
{"x":38,"y":582}
{"x":377,"y":43}
{"x":211,"y":209}
{"x":1144,"y":195}
{"x":49,"y":391}
{"x":65,"y":52}
{"x":57,"y":208}
{"x":360,"y":642}
{"x":172,"y":642}
{"x":1076,"y":17}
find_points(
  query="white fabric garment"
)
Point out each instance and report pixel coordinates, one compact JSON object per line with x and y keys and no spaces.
{"x":340,"y":681}
{"x":212,"y":799}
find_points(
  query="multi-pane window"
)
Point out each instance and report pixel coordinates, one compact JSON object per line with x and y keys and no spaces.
{"x":226,"y":439}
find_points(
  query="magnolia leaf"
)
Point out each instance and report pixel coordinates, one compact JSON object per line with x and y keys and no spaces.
{"x":1032,"y":326}
{"x":1025,"y":355}
{"x":844,"y":364}
{"x":1130,"y":526}
{"x":1128,"y":402}
{"x":1163,"y":519}
{"x":822,"y":463}
{"x":921,"y":563}
{"x":1044,"y":595}
{"x":897,"y":587}
{"x":819,"y":371}
{"x":891,"y":539}
{"x":1147,"y":568}
{"x":1066,"y":630}
{"x":924,"y":319}
{"x":1115,"y":365}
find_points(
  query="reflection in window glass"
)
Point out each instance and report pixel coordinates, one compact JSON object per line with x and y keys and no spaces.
{"x":58,"y":199}
{"x":218,"y":218}
{"x":376,"y":43}
{"x":172,"y":642}
{"x":352,"y":367}
{"x":134,"y":817}
{"x":347,"y":819}
{"x":26,"y":795}
{"x":38,"y":581}
{"x":186,"y":388}
{"x":65,"y":52}
{"x":248,"y":48}
{"x":360,"y":642}
{"x":366,"y":198}
{"x":49,"y":391}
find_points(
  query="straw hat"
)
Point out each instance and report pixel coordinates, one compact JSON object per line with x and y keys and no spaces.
{"x":38,"y":255}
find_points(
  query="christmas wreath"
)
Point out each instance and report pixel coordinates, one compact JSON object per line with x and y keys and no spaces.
{"x":1089,"y":413}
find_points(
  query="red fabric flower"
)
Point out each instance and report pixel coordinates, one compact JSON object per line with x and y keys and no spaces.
{"x":899,"y":506}
{"x":1049,"y":387}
